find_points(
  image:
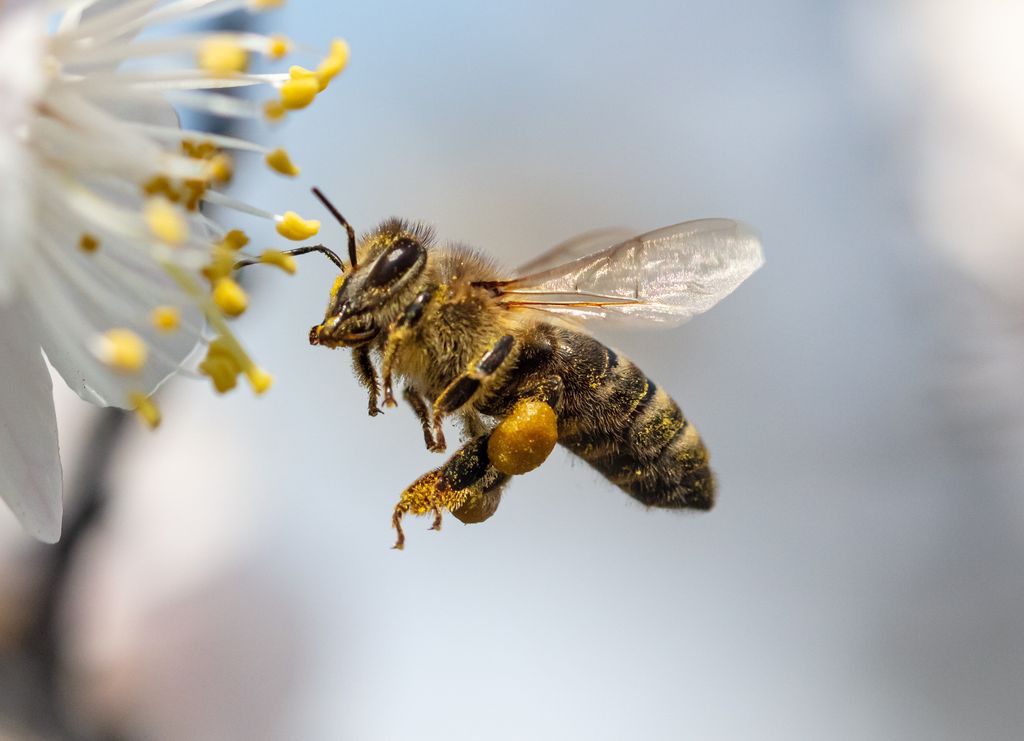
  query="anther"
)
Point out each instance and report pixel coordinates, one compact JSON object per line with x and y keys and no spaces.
{"x":292,"y":226}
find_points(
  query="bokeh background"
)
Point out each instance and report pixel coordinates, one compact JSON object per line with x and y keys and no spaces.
{"x":861,"y":396}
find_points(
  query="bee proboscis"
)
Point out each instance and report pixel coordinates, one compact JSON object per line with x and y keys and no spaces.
{"x":508,"y":355}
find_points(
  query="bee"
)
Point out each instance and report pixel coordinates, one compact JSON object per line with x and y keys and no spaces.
{"x":511,"y":358}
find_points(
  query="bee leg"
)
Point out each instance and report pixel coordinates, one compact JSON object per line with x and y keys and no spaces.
{"x":525,"y":437}
{"x":460,"y":391}
{"x":367,"y":376}
{"x":397,"y":334}
{"x":415,"y":400}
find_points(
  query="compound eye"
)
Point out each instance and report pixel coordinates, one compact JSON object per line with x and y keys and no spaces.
{"x":394,"y":263}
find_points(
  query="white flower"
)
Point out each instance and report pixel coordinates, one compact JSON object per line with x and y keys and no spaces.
{"x":107,"y":263}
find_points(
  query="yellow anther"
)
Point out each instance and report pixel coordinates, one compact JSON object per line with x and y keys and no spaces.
{"x":88,"y":243}
{"x":222,"y":365}
{"x":159,"y":185}
{"x":145,"y":407}
{"x":280,"y":259}
{"x":122,"y":350}
{"x":166,"y":318}
{"x":235,"y":239}
{"x":222,"y":55}
{"x":229,"y":297}
{"x":279,"y":161}
{"x":524,"y":439}
{"x":165,"y":221}
{"x":292,"y":226}
{"x":299,"y":92}
{"x":222,"y":262}
{"x":221,"y":168}
{"x":274,"y":110}
{"x":265,"y":4}
{"x":279,"y":46}
{"x":297,"y":72}
{"x":335,"y":62}
{"x":259,"y":379}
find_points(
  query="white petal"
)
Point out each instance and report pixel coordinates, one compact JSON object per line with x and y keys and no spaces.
{"x":21,"y":37}
{"x":30,"y":473}
{"x":79,"y":296}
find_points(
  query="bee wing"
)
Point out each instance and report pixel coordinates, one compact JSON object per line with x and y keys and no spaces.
{"x":574,"y":247}
{"x":662,"y":277}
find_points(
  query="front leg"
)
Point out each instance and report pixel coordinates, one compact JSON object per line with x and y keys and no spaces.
{"x":460,"y":391}
{"x":397,"y":334}
{"x":367,"y":375}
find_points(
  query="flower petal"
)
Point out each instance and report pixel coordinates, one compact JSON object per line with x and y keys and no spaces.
{"x":30,"y":473}
{"x":21,"y":36}
{"x":80,"y":296}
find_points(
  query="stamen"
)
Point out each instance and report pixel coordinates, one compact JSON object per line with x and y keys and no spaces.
{"x":122,"y":350}
{"x":88,"y":243}
{"x":235,"y":239}
{"x":274,"y":110}
{"x":299,"y":92}
{"x":279,"y":46}
{"x":165,"y":221}
{"x":221,"y":168}
{"x":279,"y":259}
{"x":259,"y":379}
{"x":265,"y":4}
{"x":146,"y":408}
{"x":335,"y":62}
{"x":222,"y":55}
{"x":292,"y":226}
{"x":279,"y":161}
{"x":166,"y":318}
{"x":229,"y":297}
{"x":221,"y":365}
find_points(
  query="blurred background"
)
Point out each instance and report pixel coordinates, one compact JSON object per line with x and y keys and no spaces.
{"x":861,"y":397}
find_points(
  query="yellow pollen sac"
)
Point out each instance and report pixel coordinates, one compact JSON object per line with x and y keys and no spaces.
{"x":524,"y":439}
{"x":265,"y":4}
{"x":222,"y":262}
{"x":88,"y":243}
{"x":221,"y":168}
{"x":294,"y":227}
{"x":221,"y":365}
{"x":222,"y":55}
{"x":279,"y":161}
{"x":279,"y":46}
{"x":335,"y":62}
{"x":123,"y":350}
{"x":166,"y":318}
{"x":259,"y":379}
{"x":145,"y":407}
{"x":274,"y":110}
{"x":299,"y":92}
{"x":235,"y":240}
{"x":300,"y":73}
{"x":279,"y":259}
{"x":229,"y":297}
{"x":165,"y":221}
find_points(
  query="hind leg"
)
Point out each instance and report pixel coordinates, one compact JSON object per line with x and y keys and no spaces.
{"x":467,"y":485}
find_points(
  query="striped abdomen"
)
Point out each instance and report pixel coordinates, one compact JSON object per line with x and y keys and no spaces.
{"x":617,"y":420}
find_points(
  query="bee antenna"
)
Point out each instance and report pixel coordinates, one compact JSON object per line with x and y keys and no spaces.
{"x":331,"y":255}
{"x":341,"y":220}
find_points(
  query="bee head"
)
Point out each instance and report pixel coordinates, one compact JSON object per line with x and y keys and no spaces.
{"x":364,"y":299}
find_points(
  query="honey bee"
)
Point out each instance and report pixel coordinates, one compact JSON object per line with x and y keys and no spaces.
{"x":508,"y":355}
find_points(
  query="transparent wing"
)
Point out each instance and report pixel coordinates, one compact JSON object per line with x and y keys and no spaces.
{"x":575,"y":247}
{"x":662,"y":277}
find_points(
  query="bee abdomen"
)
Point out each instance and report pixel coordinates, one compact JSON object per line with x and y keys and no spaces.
{"x":638,"y":438}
